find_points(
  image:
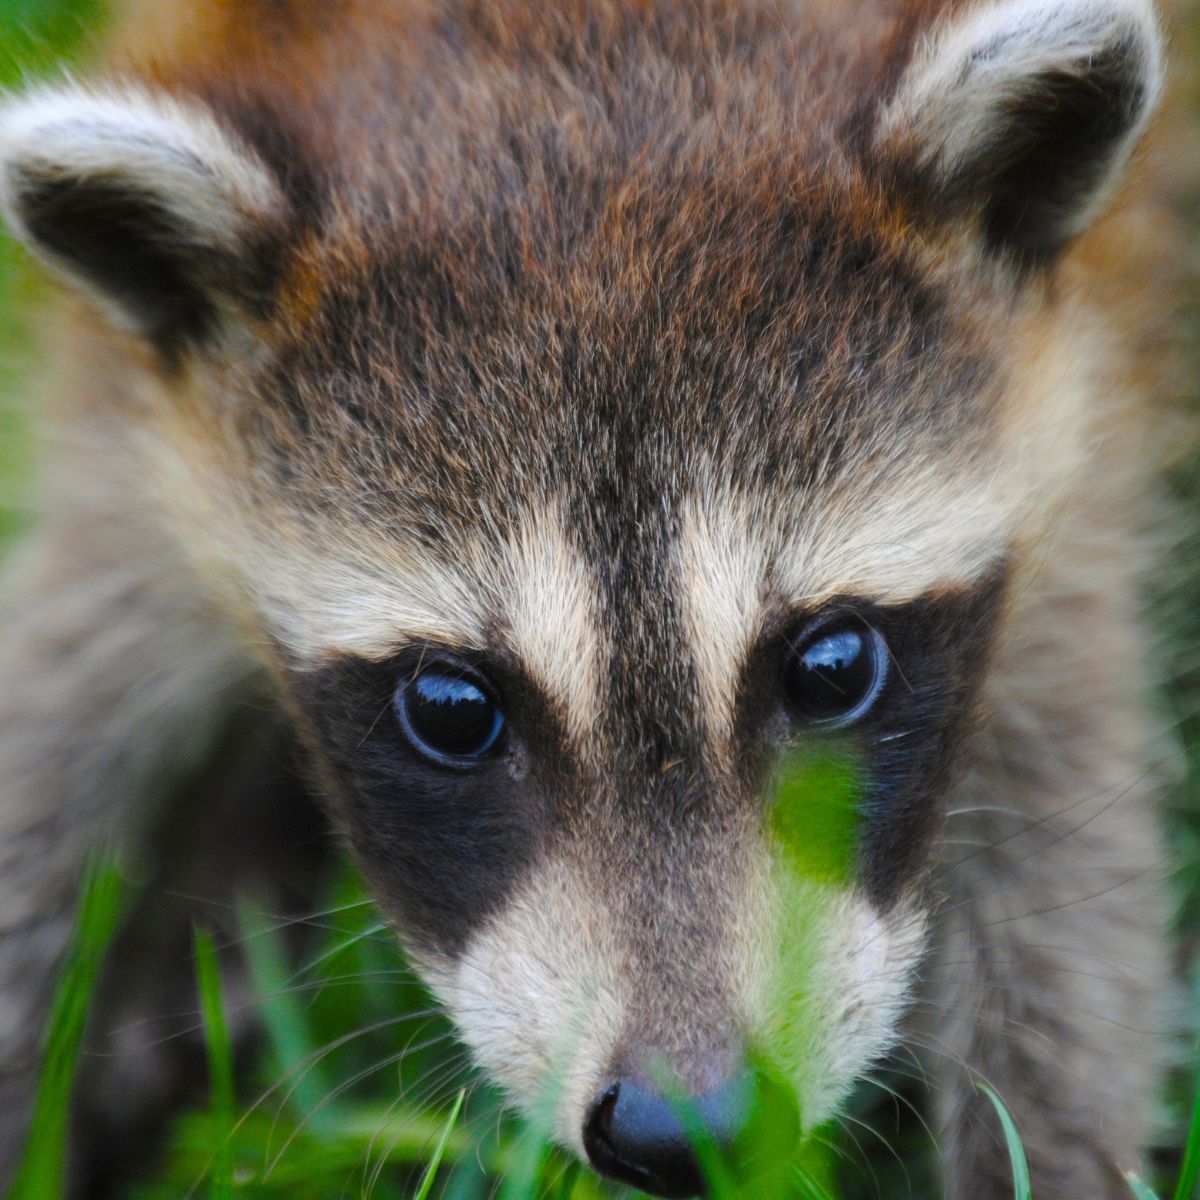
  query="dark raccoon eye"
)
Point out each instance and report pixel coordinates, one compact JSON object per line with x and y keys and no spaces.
{"x":835,"y":673}
{"x":448,"y":716}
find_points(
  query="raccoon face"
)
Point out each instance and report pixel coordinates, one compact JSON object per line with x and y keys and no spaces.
{"x":626,"y":475}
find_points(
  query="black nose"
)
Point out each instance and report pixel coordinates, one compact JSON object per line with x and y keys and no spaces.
{"x":636,"y":1136}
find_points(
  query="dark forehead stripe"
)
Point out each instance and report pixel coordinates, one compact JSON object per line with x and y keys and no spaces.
{"x":652,"y":722}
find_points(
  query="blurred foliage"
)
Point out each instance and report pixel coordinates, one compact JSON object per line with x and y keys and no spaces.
{"x":41,"y":1172}
{"x":37,"y":38}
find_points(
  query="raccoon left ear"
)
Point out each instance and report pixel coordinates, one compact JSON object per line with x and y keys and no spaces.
{"x":1022,"y":115}
{"x":143,"y":201}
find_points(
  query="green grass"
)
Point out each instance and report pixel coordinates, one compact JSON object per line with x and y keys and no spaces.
{"x":1016,"y":1151}
{"x":412,"y":1124}
{"x":220,"y":1067}
{"x":41,"y":1173}
{"x":1188,"y":1187}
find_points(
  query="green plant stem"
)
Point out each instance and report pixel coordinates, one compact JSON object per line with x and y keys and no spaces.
{"x":41,"y":1174}
{"x":1016,"y":1152}
{"x":1190,"y":1176}
{"x":220,"y":1065}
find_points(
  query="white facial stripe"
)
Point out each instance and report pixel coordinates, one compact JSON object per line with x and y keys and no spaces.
{"x":920,"y":534}
{"x":543,"y":998}
{"x":366,"y":596}
{"x":907,"y":537}
{"x":846,"y":1014}
{"x":321,"y":591}
{"x":368,"y":602}
{"x":722,"y":572}
{"x":537,"y":997}
{"x":549,"y":599}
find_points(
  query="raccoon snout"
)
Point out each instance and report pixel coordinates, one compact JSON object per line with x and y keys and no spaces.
{"x":636,"y":1135}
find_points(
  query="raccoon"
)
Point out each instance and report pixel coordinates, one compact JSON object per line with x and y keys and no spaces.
{"x":683,"y":471}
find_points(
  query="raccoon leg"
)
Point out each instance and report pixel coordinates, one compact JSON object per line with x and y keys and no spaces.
{"x":1052,"y":968}
{"x":113,"y":682}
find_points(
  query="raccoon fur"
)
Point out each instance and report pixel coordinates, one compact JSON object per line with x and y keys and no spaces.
{"x":559,"y":415}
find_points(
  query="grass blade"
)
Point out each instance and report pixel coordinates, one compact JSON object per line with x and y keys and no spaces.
{"x":220,"y":1065}
{"x":1016,"y":1152}
{"x":439,"y":1151}
{"x":1190,"y":1176}
{"x":41,"y":1173}
{"x":297,"y":1053}
{"x":811,"y":1188}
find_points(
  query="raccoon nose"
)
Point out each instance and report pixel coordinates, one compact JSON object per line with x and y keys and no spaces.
{"x":634,"y":1135}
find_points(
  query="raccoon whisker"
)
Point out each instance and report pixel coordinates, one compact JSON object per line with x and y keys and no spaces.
{"x":900,"y":1099}
{"x":970,"y":843}
{"x":526,"y":1133}
{"x":416,"y":1098}
{"x":310,"y":1060}
{"x":1123,"y":792}
{"x":409,"y":1047}
{"x":400,"y":976}
{"x":999,"y":809}
{"x":847,"y":1155}
{"x":196,"y":1023}
{"x":1019,"y":880}
{"x":372,"y":1174}
{"x":922,"y":1040}
{"x":378,"y":717}
{"x":310,"y":1113}
{"x":1106,"y":891}
{"x":988,"y":1019}
{"x":966,"y":964}
{"x":1073,"y":951}
{"x":280,"y":923}
{"x":339,"y":1090}
{"x":555,"y":1183}
{"x":861,"y":1157}
{"x":994,"y":1024}
{"x":912,"y":1067}
{"x":494,"y":1131}
{"x":371,"y":932}
{"x":845,"y":1122}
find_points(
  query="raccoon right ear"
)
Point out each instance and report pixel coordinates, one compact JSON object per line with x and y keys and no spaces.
{"x":143,"y":201}
{"x":1021,"y":115}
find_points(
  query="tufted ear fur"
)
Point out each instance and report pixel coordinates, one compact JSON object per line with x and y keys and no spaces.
{"x":142,"y":200}
{"x":1021,"y":115}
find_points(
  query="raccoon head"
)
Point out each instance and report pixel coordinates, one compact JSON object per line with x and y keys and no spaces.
{"x":621,"y":430}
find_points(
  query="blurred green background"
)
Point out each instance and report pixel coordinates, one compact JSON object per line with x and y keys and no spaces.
{"x":328,"y":1121}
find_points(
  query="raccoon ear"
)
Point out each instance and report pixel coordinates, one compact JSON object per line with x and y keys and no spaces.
{"x":1022,"y":115}
{"x":143,"y":201}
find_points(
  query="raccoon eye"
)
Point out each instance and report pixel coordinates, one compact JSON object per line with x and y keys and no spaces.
{"x":449,"y":716}
{"x":835,"y":673}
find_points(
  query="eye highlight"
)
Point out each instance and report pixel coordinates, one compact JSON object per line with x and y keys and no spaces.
{"x":835,"y":673}
{"x":449,"y":716}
